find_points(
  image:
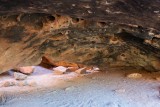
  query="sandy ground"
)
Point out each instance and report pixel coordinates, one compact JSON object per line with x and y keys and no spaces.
{"x":102,"y":89}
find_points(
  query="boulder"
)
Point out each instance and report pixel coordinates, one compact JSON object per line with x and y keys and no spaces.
{"x":26,"y":70}
{"x":60,"y":70}
{"x":81,"y":71}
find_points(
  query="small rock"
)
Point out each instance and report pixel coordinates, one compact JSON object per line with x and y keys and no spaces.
{"x":32,"y":83}
{"x":19,"y":76}
{"x":134,"y":75}
{"x":26,"y":83}
{"x":94,"y":78}
{"x":112,"y":104}
{"x":58,"y":73}
{"x":156,"y":11}
{"x":96,"y":69}
{"x":73,"y":5}
{"x":60,"y":70}
{"x":26,"y":70}
{"x":8,"y":84}
{"x":70,"y":88}
{"x":81,"y":71}
{"x":120,"y":90}
{"x":21,"y":83}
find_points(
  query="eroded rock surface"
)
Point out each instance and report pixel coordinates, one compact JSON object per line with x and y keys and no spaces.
{"x":91,"y":32}
{"x":19,"y":76}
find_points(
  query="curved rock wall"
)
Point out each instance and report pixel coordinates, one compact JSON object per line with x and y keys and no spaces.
{"x":97,"y":32}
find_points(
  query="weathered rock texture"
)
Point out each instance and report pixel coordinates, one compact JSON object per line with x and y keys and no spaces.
{"x":91,"y":32}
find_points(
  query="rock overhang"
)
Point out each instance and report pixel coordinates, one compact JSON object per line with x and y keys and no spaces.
{"x":91,"y":32}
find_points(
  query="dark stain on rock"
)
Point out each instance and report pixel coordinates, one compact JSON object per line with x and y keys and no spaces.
{"x":14,"y":33}
{"x":46,"y":44}
{"x":139,"y":43}
{"x":32,"y":43}
{"x":30,"y":38}
{"x":35,"y":20}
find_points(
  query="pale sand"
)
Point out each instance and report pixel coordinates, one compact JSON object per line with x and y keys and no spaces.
{"x":103,"y":89}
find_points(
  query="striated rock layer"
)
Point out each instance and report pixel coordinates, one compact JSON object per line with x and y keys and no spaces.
{"x":91,"y":32}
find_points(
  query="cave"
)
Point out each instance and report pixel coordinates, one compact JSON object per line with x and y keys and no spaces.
{"x":85,"y":53}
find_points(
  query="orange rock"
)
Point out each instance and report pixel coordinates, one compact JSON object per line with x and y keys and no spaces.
{"x":47,"y":60}
{"x":73,"y":68}
{"x":66,"y":64}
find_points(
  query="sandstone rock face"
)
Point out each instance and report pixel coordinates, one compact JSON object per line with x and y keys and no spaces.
{"x":90,"y":32}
